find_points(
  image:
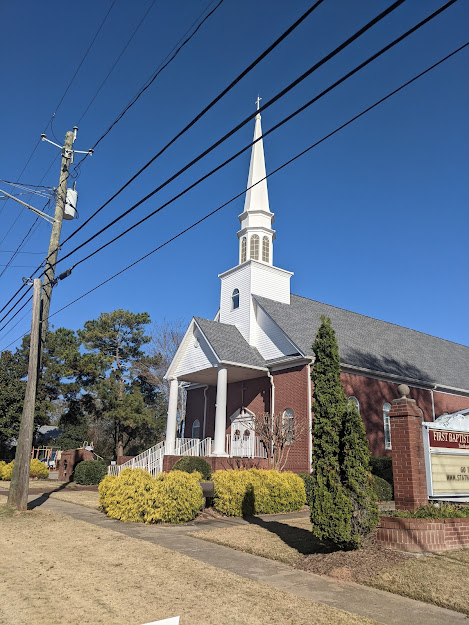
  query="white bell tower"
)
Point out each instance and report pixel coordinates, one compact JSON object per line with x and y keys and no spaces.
{"x":256,"y":236}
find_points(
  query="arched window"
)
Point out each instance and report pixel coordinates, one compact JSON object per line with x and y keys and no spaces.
{"x":289,"y":425}
{"x":254,"y":247}
{"x":243,"y":250}
{"x":353,"y":400}
{"x":196,"y":429}
{"x":265,"y":249}
{"x":387,"y":425}
{"x":235,"y":298}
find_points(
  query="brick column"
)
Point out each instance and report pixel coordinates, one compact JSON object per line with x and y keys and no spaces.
{"x":408,"y":459}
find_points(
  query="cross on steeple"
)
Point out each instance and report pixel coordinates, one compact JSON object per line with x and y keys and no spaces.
{"x":258,"y":102}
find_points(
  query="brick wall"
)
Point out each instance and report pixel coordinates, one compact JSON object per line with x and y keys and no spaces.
{"x":291,"y":391}
{"x":421,"y":535}
{"x":69,"y":459}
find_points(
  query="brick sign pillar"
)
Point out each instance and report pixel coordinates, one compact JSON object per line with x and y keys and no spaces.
{"x":408,"y":459}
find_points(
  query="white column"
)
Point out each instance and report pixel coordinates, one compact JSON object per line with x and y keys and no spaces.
{"x":220,"y":413}
{"x":171,"y":424}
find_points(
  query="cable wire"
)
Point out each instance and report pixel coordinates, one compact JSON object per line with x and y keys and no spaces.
{"x":237,"y":154}
{"x":285,"y":164}
{"x":283,"y":36}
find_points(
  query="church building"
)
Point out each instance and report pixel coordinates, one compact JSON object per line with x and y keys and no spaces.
{"x":256,"y":355}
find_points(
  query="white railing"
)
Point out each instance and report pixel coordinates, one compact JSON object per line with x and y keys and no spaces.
{"x":250,"y":448}
{"x":194,"y":447}
{"x":151,"y":460}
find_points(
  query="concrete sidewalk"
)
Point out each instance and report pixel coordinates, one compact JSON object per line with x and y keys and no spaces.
{"x":381,"y":606}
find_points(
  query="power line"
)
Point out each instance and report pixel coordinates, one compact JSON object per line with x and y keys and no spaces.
{"x":294,"y":158}
{"x":83,"y":59}
{"x":283,"y":36}
{"x":279,"y":95}
{"x":244,"y":149}
{"x":163,"y":65}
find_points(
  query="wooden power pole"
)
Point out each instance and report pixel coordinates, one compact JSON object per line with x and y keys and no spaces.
{"x":18,"y":494}
{"x":49,"y":273}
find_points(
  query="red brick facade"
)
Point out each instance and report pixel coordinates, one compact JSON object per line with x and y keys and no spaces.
{"x":291,"y":391}
{"x":420,"y":535}
{"x":69,"y":459}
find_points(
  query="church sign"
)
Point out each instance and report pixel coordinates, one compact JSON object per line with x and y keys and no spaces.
{"x":447,"y":458}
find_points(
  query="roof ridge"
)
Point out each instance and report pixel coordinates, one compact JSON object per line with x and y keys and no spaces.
{"x":376,"y":319}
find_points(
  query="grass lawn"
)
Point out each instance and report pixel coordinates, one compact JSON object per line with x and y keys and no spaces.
{"x":439,"y":579}
{"x":55,"y":569}
{"x":36,"y":484}
{"x":87,"y":498}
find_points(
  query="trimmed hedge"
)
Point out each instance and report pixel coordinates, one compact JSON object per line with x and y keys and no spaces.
{"x":257,"y":491}
{"x":382,"y":467}
{"x":36,"y":469}
{"x":90,"y":471}
{"x":382,"y":489}
{"x":189,"y":464}
{"x":308,"y":480}
{"x":136,"y":497}
{"x":432,"y":511}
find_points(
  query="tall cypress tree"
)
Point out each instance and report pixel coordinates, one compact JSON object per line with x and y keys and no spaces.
{"x":342,"y":505}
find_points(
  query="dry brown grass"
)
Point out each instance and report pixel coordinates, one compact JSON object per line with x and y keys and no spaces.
{"x":36,"y":484}
{"x":439,"y":579}
{"x":261,"y":541}
{"x":87,"y":498}
{"x":58,"y":570}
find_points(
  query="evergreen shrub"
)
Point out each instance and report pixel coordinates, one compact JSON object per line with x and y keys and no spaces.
{"x":431,"y":511}
{"x":308,"y":480}
{"x":382,"y":489}
{"x":90,"y":471}
{"x":135,"y":496}
{"x":382,"y":467}
{"x":257,"y":491}
{"x":189,"y":464}
{"x":36,"y":469}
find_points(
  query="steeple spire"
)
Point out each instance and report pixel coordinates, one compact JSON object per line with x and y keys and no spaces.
{"x":256,"y":235}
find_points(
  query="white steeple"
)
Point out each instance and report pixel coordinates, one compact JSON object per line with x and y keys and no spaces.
{"x":256,"y":235}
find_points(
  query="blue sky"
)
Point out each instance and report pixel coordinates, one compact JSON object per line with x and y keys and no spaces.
{"x":374,"y":220}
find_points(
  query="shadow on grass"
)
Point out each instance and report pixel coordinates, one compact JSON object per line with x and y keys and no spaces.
{"x":298,"y":538}
{"x":35,"y":503}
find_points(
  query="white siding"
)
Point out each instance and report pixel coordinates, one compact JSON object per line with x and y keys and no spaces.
{"x":271,"y":282}
{"x":270,"y":340}
{"x":196,"y":356}
{"x":238,"y":279}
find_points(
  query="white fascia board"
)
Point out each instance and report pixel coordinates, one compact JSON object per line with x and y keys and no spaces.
{"x":281,"y":330}
{"x":207,"y":341}
{"x":227,"y":273}
{"x":244,"y":231}
{"x":289,"y":364}
{"x":244,"y":366}
{"x":258,"y":211}
{"x":172,"y":366}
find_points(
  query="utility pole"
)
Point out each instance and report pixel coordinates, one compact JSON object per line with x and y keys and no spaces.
{"x":49,"y":274}
{"x":18,"y":493}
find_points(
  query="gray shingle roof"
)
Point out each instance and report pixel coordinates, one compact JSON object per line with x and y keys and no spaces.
{"x":373,"y":344}
{"x":229,"y":344}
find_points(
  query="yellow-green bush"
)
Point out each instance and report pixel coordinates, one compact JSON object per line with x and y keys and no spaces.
{"x":257,"y":491}
{"x":38,"y":469}
{"x":135,"y":496}
{"x":7,"y":470}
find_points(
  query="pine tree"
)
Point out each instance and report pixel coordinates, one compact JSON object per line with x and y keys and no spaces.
{"x":342,"y":505}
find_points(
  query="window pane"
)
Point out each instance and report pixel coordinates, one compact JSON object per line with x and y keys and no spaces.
{"x":355,"y":401}
{"x":196,"y":429}
{"x":254,"y":249}
{"x":243,"y":250}
{"x":289,"y":425}
{"x":265,"y":249}
{"x":235,"y":298}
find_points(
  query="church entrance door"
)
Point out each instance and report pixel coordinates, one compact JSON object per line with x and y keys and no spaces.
{"x":242,"y":435}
